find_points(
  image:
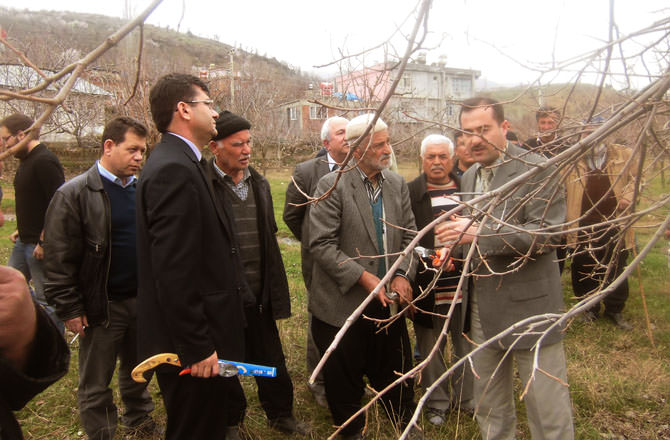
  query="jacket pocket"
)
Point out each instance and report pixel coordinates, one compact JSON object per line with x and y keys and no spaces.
{"x":225,"y":315}
{"x":93,"y":279}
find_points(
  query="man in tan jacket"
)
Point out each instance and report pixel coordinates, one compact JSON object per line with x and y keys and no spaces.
{"x":600,"y":188}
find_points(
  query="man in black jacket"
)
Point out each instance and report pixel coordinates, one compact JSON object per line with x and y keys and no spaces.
{"x":37,"y":178}
{"x":91,"y":268}
{"x":240,"y":190}
{"x":191,"y":289}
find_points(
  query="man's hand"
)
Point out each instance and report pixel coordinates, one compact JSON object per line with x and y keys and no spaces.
{"x":369,"y":281}
{"x":38,"y":252}
{"x":208,"y":367}
{"x":77,"y":325}
{"x":404,"y":289}
{"x":450,"y":232}
{"x":622,"y":205}
{"x":14,"y":236}
{"x":18,"y":318}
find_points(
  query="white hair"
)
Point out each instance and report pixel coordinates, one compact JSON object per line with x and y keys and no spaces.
{"x":437,"y":139}
{"x":356,"y":127}
{"x":325,"y":128}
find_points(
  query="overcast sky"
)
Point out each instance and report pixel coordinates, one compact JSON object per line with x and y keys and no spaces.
{"x":472,"y":34}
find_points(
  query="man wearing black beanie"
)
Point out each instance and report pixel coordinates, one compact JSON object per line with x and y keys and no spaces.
{"x":242,"y":191}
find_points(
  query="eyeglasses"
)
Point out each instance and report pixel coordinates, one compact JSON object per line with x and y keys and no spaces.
{"x":208,"y":102}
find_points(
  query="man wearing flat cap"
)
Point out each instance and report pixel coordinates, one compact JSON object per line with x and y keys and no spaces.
{"x":242,"y":191}
{"x":355,"y":236}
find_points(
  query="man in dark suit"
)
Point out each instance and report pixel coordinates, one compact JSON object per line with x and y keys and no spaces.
{"x":191,"y":287}
{"x":505,"y":286}
{"x":355,"y":220}
{"x":296,"y":217}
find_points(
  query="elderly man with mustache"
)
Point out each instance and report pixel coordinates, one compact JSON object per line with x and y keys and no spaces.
{"x":433,"y":193}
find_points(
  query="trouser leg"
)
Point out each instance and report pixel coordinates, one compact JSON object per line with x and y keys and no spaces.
{"x":616,"y":300}
{"x":98,"y":350}
{"x":343,"y":372}
{"x":135,"y":396}
{"x":32,"y":269}
{"x":493,"y":390}
{"x":17,"y":259}
{"x":585,"y":279}
{"x":313,"y":358}
{"x":263,"y":346}
{"x":561,"y":253}
{"x":461,"y":379}
{"x":548,"y":401}
{"x":389,"y":354}
{"x":425,"y":340}
{"x":200,"y":408}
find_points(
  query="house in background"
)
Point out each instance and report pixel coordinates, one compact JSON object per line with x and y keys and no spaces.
{"x":426,"y":92}
{"x":81,"y":118}
{"x":304,"y":116}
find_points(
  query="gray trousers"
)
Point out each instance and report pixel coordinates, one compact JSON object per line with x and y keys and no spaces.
{"x":98,"y":351}
{"x":548,"y":403}
{"x":461,"y":379}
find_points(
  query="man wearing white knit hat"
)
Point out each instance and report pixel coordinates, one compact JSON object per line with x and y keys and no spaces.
{"x":353,"y":245}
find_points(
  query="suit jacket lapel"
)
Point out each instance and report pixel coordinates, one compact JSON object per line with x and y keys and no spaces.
{"x":392,"y":216}
{"x":321,"y":170}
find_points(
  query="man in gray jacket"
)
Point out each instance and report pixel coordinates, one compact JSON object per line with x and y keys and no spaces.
{"x":296,"y":216}
{"x":354,"y":241}
{"x":91,"y":268}
{"x":513,"y":276}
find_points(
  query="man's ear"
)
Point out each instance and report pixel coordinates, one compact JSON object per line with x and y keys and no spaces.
{"x":184,"y":110}
{"x":505,"y":127}
{"x":107,"y":147}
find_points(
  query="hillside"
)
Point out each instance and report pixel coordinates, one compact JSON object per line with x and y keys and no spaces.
{"x":65,"y":36}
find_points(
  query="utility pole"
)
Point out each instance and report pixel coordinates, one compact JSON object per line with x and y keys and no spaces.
{"x":232,"y":77}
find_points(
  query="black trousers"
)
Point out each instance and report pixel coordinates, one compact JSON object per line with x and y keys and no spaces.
{"x":589,"y":267}
{"x":263,"y":346}
{"x":200,"y":408}
{"x":365,"y":352}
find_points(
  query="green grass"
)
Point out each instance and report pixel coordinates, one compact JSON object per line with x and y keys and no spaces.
{"x":619,"y":383}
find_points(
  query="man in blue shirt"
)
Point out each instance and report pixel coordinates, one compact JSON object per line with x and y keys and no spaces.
{"x":91,"y":268}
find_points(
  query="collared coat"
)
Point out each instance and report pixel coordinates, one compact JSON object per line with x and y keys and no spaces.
{"x":343,"y":241}
{"x":306,"y":177}
{"x":510,"y":288}
{"x":275,"y":292}
{"x":191,"y":283}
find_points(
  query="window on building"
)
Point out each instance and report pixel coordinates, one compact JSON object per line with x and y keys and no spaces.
{"x":462,"y":87}
{"x":293,"y":113}
{"x":318,"y":112}
{"x":406,"y":82}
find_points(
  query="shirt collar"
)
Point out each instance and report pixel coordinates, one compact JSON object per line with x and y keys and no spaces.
{"x":196,"y":150}
{"x":331,"y":162}
{"x":113,"y":178}
{"x":223,"y":174}
{"x":379,"y":177}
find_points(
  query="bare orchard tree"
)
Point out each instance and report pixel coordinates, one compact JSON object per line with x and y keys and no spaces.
{"x":639,"y":116}
{"x":68,"y":75}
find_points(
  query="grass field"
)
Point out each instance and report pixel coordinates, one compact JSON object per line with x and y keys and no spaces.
{"x":619,"y":383}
